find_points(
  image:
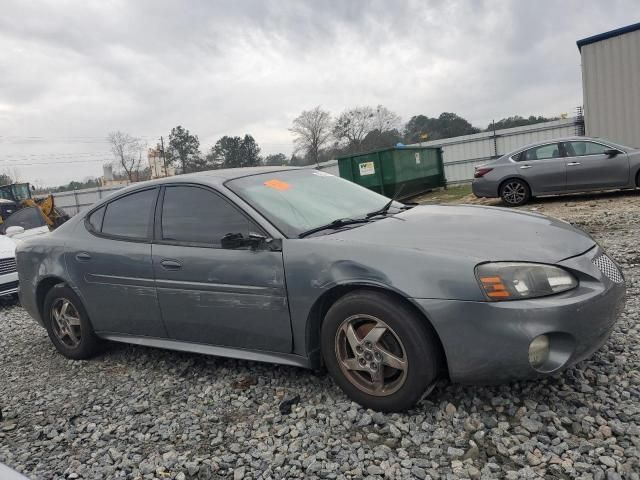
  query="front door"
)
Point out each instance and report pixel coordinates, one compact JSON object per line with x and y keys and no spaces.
{"x":544,"y":168}
{"x":109,"y":258}
{"x":232,"y":297}
{"x":588,"y":167}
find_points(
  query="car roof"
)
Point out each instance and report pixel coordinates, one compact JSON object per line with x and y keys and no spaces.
{"x":211,"y":177}
{"x":573,"y":138}
{"x":224,"y":174}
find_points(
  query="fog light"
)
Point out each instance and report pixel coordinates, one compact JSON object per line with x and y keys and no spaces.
{"x":539,"y":351}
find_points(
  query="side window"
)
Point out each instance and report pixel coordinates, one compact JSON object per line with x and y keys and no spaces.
{"x":129,"y":216}
{"x":579,"y":149}
{"x":196,"y":215}
{"x":95,"y":219}
{"x":541,"y":153}
{"x":29,"y":217}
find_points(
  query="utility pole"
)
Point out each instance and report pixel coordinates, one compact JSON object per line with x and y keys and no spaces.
{"x":164,"y":158}
{"x":495,"y":139}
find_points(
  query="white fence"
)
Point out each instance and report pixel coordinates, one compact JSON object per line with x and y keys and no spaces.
{"x":461,"y":155}
{"x":75,"y":201}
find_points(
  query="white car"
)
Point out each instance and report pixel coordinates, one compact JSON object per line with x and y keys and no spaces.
{"x":24,"y":223}
{"x":8,"y":271}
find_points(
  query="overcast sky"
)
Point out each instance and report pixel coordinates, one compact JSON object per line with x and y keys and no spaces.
{"x":70,"y":72}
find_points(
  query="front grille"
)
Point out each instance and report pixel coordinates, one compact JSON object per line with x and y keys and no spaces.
{"x":8,"y":287}
{"x":8,"y":265}
{"x":608,"y":268}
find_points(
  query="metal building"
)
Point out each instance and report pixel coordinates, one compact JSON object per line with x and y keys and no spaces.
{"x":611,"y":84}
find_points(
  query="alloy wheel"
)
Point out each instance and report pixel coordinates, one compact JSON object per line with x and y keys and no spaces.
{"x":371,"y":355}
{"x":66,"y":323}
{"x":514,"y":192}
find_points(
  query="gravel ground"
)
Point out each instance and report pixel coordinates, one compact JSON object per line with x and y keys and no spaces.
{"x":136,"y":412}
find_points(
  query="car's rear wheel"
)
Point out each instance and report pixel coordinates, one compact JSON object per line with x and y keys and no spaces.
{"x":515,"y":192}
{"x":68,"y":324}
{"x":379,"y":351}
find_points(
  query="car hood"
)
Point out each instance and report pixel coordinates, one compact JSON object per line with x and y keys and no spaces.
{"x":479,"y":233}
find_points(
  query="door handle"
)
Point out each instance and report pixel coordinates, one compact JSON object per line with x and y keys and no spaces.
{"x":524,"y":167}
{"x":572,"y":164}
{"x":83,"y":257}
{"x":171,"y":265}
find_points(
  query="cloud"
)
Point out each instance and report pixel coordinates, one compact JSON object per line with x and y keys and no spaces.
{"x":73,"y":71}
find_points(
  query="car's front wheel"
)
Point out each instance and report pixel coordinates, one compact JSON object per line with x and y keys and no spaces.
{"x":515,"y":192}
{"x":68,"y":324}
{"x":379,"y":351}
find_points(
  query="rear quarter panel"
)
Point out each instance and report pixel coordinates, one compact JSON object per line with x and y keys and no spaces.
{"x":38,"y":258}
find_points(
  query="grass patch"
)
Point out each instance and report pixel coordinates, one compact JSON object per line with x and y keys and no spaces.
{"x":451,"y":194}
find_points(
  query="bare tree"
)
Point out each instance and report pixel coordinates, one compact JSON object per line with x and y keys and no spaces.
{"x":128,"y":152}
{"x":353,"y":125}
{"x":384,"y":120}
{"x":311,"y":131}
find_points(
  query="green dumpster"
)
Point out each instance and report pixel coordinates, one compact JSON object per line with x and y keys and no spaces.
{"x":384,"y":171}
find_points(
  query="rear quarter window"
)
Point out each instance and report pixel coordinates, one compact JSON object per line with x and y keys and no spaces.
{"x":129,"y":217}
{"x":95,"y":219}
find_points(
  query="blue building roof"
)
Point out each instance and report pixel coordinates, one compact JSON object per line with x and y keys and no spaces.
{"x":605,"y":35}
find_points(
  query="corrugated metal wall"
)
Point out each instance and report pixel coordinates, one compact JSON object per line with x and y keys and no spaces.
{"x":611,"y":88}
{"x":75,"y":201}
{"x":462,"y":154}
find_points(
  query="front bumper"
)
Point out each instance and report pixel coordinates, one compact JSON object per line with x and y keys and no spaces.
{"x":8,"y":284}
{"x":488,"y":342}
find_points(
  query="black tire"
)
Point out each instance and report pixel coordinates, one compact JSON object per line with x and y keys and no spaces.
{"x":417,"y":346}
{"x":515,"y":192}
{"x":87,"y":342}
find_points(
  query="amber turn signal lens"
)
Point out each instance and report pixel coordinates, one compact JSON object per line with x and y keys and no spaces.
{"x":494,"y":287}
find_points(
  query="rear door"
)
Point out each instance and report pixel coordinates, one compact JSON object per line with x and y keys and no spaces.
{"x":232,"y":297}
{"x":543,"y":168}
{"x":588,"y":167}
{"x":109,"y":260}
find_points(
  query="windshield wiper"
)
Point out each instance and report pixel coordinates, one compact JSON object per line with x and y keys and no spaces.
{"x":340,"y":222}
{"x":387,"y":206}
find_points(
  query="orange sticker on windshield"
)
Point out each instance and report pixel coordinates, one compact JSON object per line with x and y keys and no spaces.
{"x":277,"y":184}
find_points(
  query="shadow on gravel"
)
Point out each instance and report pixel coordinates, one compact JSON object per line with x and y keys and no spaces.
{"x":9,"y":301}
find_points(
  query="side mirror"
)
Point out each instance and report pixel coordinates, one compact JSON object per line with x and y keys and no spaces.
{"x":237,"y":240}
{"x":611,"y":152}
{"x":256,"y":240}
{"x":15,"y":230}
{"x":232,"y":240}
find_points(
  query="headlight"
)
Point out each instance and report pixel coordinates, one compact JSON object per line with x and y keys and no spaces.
{"x":513,"y":281}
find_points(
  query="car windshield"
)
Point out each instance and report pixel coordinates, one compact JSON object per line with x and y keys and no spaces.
{"x":296,"y":201}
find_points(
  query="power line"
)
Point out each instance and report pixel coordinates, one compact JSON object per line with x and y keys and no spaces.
{"x":57,"y":163}
{"x":56,"y":155}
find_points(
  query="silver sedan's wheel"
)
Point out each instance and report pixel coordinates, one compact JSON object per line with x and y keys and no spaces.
{"x":371,"y":355}
{"x":66,"y":323}
{"x":515,"y":192}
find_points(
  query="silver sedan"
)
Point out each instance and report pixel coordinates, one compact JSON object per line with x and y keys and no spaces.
{"x":300,"y":267}
{"x":565,"y":165}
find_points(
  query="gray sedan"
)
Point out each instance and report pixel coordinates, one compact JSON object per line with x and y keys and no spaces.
{"x":566,"y":165}
{"x":299,"y":267}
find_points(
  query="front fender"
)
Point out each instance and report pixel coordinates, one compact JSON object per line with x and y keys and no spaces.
{"x":315,"y":266}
